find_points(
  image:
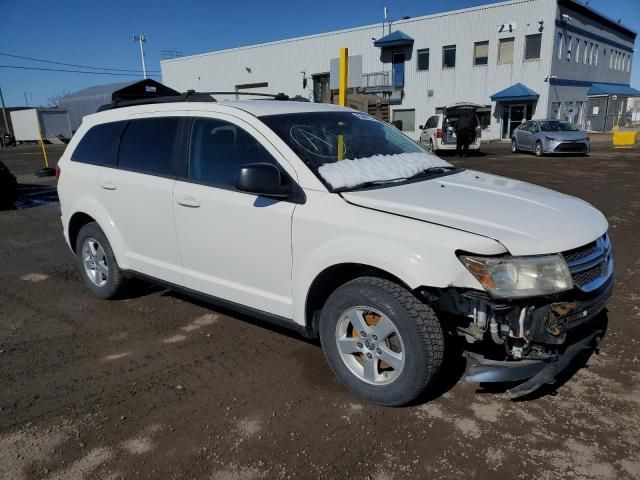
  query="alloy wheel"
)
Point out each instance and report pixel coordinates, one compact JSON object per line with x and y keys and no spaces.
{"x":95,"y":263}
{"x":370,"y":345}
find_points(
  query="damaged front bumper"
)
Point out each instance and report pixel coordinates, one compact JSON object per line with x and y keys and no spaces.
{"x":540,"y":337}
{"x":538,"y":372}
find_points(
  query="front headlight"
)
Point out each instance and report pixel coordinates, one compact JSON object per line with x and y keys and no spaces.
{"x":513,"y":277}
{"x":551,"y":139}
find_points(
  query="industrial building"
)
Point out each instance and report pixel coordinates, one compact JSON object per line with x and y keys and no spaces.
{"x":517,"y":60}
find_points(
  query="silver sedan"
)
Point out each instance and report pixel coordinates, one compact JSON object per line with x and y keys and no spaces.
{"x":549,"y":136}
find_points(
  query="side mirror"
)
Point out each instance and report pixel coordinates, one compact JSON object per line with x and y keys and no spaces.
{"x":262,"y":179}
{"x":421,"y":127}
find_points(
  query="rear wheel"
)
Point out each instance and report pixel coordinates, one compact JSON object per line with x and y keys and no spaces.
{"x":97,"y":263}
{"x":514,"y":146}
{"x":381,"y":341}
{"x":539,"y":152}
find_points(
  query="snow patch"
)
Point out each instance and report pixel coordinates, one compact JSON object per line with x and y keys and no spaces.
{"x":349,"y":173}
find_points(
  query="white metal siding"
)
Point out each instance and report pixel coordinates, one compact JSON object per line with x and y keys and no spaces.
{"x":281,"y":63}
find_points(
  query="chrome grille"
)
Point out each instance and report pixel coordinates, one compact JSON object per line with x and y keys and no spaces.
{"x":591,"y":265}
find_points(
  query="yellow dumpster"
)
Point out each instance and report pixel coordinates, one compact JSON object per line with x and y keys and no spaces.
{"x":624,"y":138}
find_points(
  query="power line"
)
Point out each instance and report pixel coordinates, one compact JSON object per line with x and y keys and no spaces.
{"x":73,"y":65}
{"x":75,"y":71}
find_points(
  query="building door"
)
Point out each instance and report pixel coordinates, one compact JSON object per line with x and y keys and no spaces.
{"x":321,"y":92}
{"x":398,"y":69}
{"x":513,"y":116}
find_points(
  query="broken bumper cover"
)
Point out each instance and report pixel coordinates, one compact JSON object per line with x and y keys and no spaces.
{"x":538,"y":372}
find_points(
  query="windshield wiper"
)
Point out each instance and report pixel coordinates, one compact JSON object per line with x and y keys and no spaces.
{"x":431,"y":170}
{"x":425,"y":172}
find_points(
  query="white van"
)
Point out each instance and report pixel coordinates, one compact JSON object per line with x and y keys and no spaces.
{"x":330,"y":222}
{"x":439,"y":131}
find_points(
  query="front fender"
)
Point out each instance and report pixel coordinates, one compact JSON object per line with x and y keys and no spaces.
{"x":327,"y":232}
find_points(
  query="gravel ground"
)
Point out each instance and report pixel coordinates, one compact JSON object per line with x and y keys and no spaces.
{"x":161,"y":386}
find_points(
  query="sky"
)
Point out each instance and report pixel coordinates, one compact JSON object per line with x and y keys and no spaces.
{"x":100,"y":34}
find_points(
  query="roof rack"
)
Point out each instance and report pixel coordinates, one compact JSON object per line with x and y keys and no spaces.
{"x":149,"y":91}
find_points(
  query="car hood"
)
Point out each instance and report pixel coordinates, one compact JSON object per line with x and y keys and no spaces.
{"x":525,"y":218}
{"x":565,"y":135}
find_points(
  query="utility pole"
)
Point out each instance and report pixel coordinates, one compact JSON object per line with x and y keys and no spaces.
{"x":4,"y":113}
{"x":25,"y":98}
{"x":141,"y":39}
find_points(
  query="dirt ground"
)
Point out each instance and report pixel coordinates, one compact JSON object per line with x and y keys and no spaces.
{"x":161,"y":386}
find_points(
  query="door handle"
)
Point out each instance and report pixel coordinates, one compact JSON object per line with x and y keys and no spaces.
{"x":108,"y":185}
{"x":188,"y":202}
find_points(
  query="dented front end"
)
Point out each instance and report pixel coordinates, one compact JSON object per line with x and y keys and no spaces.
{"x":538,"y":336}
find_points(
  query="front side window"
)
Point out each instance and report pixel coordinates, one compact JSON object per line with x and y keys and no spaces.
{"x":218,"y":149}
{"x":349,"y":149}
{"x":148,"y":145}
{"x":532,"y":45}
{"x":505,"y":50}
{"x":423,"y":59}
{"x":449,"y":56}
{"x":481,"y":53}
{"x":99,"y":146}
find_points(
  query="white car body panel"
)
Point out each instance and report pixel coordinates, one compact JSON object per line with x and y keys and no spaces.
{"x":520,"y":215}
{"x":328,"y":231}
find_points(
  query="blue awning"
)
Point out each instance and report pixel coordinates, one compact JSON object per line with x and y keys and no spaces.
{"x":613,"y":89}
{"x":515,"y":92}
{"x":394,"y":39}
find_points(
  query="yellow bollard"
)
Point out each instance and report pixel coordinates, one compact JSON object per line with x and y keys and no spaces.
{"x":342,"y":98}
{"x":344,"y":76}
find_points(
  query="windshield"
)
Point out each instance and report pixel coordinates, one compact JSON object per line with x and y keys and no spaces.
{"x":347,"y":149}
{"x":557,"y":126}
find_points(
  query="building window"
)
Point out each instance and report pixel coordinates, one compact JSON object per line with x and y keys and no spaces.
{"x":576,"y":53}
{"x":532,"y":44}
{"x":555,"y":110}
{"x":481,"y":53}
{"x":559,"y":46}
{"x":610,"y":58}
{"x":595,"y":55}
{"x":505,"y":50}
{"x":423,"y":59}
{"x":584,"y":59}
{"x":405,"y":120}
{"x":449,"y":56}
{"x":569,"y":42}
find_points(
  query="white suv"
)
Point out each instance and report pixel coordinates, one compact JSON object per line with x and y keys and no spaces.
{"x":331,"y":222}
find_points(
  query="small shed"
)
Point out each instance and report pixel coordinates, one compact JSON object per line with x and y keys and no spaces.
{"x":53,"y":122}
{"x":87,"y":101}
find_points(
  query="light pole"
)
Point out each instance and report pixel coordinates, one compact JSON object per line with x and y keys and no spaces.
{"x":141,"y":39}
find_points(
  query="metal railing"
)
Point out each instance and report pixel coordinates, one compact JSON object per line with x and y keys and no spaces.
{"x":376,"y":80}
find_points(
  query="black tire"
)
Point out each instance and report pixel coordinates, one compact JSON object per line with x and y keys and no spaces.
{"x":537,"y":149}
{"x":514,"y":146}
{"x":432,"y":147}
{"x":115,"y":282}
{"x":416,"y":323}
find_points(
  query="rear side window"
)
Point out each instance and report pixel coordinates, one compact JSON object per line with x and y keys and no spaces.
{"x":99,"y":146}
{"x":218,"y":149}
{"x":149,"y":145}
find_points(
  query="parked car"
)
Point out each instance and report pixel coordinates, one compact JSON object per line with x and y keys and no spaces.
{"x":331,"y":222}
{"x":439,"y":131}
{"x":549,"y":136}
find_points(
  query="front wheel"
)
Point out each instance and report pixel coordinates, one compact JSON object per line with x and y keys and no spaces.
{"x":538,"y":149}
{"x":514,"y":146}
{"x":381,"y":341}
